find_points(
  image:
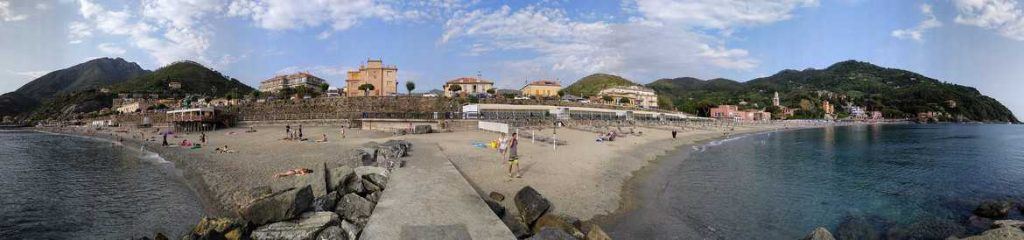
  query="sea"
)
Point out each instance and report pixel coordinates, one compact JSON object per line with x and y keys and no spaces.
{"x":56,"y":186}
{"x":896,"y":181}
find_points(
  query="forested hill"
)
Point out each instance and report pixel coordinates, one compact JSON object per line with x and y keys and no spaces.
{"x":897,"y":93}
{"x":92,"y":74}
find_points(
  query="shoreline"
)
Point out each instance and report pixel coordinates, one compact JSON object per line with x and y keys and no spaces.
{"x":189,"y":177}
{"x":629,"y":195}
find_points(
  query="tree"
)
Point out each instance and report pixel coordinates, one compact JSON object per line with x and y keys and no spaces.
{"x":409,"y":86}
{"x":285,"y":92}
{"x":561,"y":93}
{"x":624,"y":100}
{"x":324,"y":87}
{"x":491,"y":91}
{"x":366,"y":88}
{"x":607,"y":98}
{"x":455,"y":89}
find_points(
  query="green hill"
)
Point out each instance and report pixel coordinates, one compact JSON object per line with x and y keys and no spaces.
{"x":897,"y":93}
{"x":591,"y":85}
{"x":194,"y":78}
{"x":92,"y":74}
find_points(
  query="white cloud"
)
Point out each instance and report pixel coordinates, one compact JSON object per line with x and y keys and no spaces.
{"x":653,"y":44}
{"x":6,"y":15}
{"x":1004,"y":16}
{"x":111,"y":49}
{"x":916,"y":32}
{"x":338,"y":14}
{"x":42,"y":6}
{"x":77,"y":31}
{"x":720,"y":14}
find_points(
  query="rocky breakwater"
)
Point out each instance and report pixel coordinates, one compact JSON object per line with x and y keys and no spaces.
{"x":989,"y":220}
{"x":537,"y":220}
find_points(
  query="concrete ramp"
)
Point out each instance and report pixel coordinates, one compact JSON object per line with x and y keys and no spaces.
{"x":429,"y":199}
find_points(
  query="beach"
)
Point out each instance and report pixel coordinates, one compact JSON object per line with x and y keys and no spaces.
{"x":583,"y":178}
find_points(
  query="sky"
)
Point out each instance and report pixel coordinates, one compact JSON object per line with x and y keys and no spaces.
{"x":978,"y":43}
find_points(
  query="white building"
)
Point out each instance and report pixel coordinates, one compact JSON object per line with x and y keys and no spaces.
{"x":635,"y":96}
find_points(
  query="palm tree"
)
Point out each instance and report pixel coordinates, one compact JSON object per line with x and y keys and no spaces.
{"x":409,"y":85}
{"x":455,"y":89}
{"x":366,"y":88}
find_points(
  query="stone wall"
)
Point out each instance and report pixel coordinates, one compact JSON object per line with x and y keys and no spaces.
{"x":345,"y":108}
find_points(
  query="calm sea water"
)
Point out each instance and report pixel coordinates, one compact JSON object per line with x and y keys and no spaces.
{"x":782,"y":185}
{"x":65,"y":187}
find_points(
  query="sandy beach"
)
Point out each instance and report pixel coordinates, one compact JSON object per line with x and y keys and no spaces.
{"x":584,"y":178}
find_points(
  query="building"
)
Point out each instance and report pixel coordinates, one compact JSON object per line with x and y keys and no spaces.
{"x":876,"y":115}
{"x":733,"y":112}
{"x":828,"y":108}
{"x":469,"y":85}
{"x":384,"y":79}
{"x":174,"y":85}
{"x":302,"y":79}
{"x":775,"y":100}
{"x":134,"y":106}
{"x":542,"y":88}
{"x":635,"y":95}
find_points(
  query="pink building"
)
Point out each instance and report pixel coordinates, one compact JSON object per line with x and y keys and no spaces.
{"x":733,"y":112}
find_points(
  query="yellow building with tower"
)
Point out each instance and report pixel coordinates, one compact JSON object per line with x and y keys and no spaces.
{"x":384,"y":79}
{"x":542,"y":88}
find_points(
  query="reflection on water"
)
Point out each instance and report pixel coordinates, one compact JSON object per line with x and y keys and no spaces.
{"x":64,"y":187}
{"x":887,"y":178}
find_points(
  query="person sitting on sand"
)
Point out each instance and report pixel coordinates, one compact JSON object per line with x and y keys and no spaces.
{"x":185,"y":143}
{"x":251,"y":130}
{"x":323,"y":138}
{"x":294,"y":172}
{"x":224,"y":149}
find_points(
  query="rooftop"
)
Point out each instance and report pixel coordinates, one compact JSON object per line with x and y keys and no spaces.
{"x":544,"y":83}
{"x":468,"y":80}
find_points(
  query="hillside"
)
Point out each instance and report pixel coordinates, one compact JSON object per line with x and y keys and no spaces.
{"x":591,"y":85}
{"x":897,"y":93}
{"x":194,"y":78}
{"x":93,"y":74}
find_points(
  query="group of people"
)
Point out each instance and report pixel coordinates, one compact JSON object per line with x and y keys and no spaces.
{"x":293,"y":134}
{"x":609,"y":136}
{"x":508,"y":149}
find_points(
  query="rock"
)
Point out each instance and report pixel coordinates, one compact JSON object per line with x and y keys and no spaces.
{"x":332,"y":233}
{"x":365,"y":155}
{"x":819,"y":233}
{"x":994,"y":209}
{"x":393,"y":149}
{"x":355,"y":185}
{"x":260,"y":192}
{"x":857,"y":228}
{"x":421,"y":129}
{"x":236,"y":234}
{"x":355,"y":209}
{"x":307,"y":227}
{"x":280,"y":206}
{"x":514,"y":224}
{"x":596,"y":233}
{"x":370,"y":187}
{"x":377,"y":179}
{"x":496,"y":207}
{"x":351,"y":230}
{"x":552,"y":234}
{"x":496,"y":196}
{"x":975,"y":223}
{"x":1002,"y":233}
{"x":1008,"y":223}
{"x":317,"y":180}
{"x":367,"y":170}
{"x":326,"y":202}
{"x":160,"y":236}
{"x":373,"y":197}
{"x":531,"y":204}
{"x":336,"y":177}
{"x":557,"y":221}
{"x":216,"y":227}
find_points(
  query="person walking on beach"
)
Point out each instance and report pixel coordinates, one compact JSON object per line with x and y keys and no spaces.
{"x":165,"y":140}
{"x":502,"y":146}
{"x":300,"y":132}
{"x":513,"y":156}
{"x":288,"y":131}
{"x":343,"y":132}
{"x":674,"y":133}
{"x":202,"y":137}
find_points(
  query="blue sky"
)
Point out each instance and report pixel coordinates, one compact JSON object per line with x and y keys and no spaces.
{"x":978,"y":43}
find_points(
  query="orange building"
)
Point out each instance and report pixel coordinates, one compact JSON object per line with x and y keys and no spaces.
{"x":384,"y":79}
{"x":542,"y":88}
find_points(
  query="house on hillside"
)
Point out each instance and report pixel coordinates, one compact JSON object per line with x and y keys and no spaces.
{"x":638,"y":96}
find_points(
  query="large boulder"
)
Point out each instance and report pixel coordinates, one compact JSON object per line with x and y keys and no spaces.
{"x":307,"y":227}
{"x":514,"y":224}
{"x":377,"y":179}
{"x":317,"y":180}
{"x":355,"y":209}
{"x":351,"y":229}
{"x":531,"y":205}
{"x":336,"y":177}
{"x":364,"y":155}
{"x":355,"y":185}
{"x":496,"y":207}
{"x":552,"y":234}
{"x":370,"y":187}
{"x":928,"y":228}
{"x":332,"y":233}
{"x":496,"y":196}
{"x":367,"y":170}
{"x":856,"y":227}
{"x":326,"y":202}
{"x":219,"y":228}
{"x":373,"y":197}
{"x":819,"y":233}
{"x":557,"y":221}
{"x":1002,"y":233}
{"x":279,"y":206}
{"x":994,"y":209}
{"x":1008,"y":223}
{"x":421,"y":129}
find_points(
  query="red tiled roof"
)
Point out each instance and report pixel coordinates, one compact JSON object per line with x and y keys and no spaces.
{"x":544,"y":83}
